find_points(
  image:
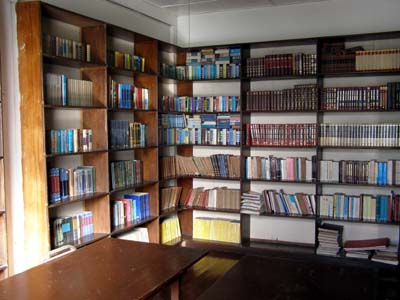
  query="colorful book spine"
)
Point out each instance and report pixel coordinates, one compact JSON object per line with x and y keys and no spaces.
{"x":70,"y":140}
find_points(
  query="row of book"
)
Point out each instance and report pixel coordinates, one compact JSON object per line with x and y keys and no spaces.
{"x":360,"y":135}
{"x":383,"y":97}
{"x":214,"y":56}
{"x":301,"y":97}
{"x":282,"y":65}
{"x":138,"y":234}
{"x":330,"y":239}
{"x":216,"y":229}
{"x":276,"y":168}
{"x":65,"y":183}
{"x":68,"y":230}
{"x":338,"y":63}
{"x":127,"y":134}
{"x":360,"y":172}
{"x":124,"y":60}
{"x":127,"y":96}
{"x":170,"y":229}
{"x":216,"y":198}
{"x":378,"y":208}
{"x":63,"y":91}
{"x":216,"y":165}
{"x":168,"y":70}
{"x":200,"y":104}
{"x":199,"y":136}
{"x":130,"y":209}
{"x":69,"y":140}
{"x":199,"y":121}
{"x":208,"y":71}
{"x":375,"y":60}
{"x":281,"y":134}
{"x":126,"y":173}
{"x":57,"y":46}
{"x":170,"y":197}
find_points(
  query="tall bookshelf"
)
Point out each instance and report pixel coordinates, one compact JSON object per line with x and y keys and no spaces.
{"x":3,"y":211}
{"x":39,"y":115}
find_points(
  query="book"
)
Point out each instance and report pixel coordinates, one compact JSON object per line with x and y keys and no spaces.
{"x":366,"y":244}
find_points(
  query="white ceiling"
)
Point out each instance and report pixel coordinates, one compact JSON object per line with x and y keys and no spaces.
{"x":182,"y":7}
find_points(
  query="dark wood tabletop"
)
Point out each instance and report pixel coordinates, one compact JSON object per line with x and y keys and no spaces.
{"x":266,"y":278}
{"x":108,"y":269}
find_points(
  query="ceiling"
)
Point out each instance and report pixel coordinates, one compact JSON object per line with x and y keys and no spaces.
{"x":182,"y":7}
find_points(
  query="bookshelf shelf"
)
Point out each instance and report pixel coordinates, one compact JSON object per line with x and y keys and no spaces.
{"x":127,"y":110}
{"x":198,"y":113}
{"x":359,"y":221}
{"x":79,"y":198}
{"x":68,"y":62}
{"x":174,"y":242}
{"x":287,"y":77}
{"x":223,"y":210}
{"x":278,"y":111}
{"x":286,"y":216}
{"x":129,"y":226}
{"x":132,"y":148}
{"x":281,"y":181}
{"x":359,"y":184}
{"x":70,"y":107}
{"x":199,"y":145}
{"x":359,"y":111}
{"x":357,"y":74}
{"x":89,"y":239}
{"x":168,"y":212}
{"x":200,"y":177}
{"x":135,"y":186}
{"x":75,"y":153}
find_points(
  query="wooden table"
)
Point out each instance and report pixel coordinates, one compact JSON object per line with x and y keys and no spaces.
{"x":108,"y":269}
{"x":271,"y":278}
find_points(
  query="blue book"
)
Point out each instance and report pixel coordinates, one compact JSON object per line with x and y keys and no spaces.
{"x":138,"y":210}
{"x":346,"y":207}
{"x":378,"y":208}
{"x":293,"y":201}
{"x":283,"y":203}
{"x":70,"y":140}
{"x":384,"y":173}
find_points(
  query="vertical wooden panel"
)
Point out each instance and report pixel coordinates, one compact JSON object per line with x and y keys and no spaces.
{"x":36,"y":229}
{"x":154,"y":196}
{"x":96,"y":37}
{"x":150,"y":163}
{"x":149,"y":82}
{"x":184,"y":88}
{"x":96,"y":119}
{"x":100,"y":161}
{"x":101,"y":213}
{"x":154,"y":231}
{"x":186,"y":222}
{"x":98,"y":76}
{"x":148,"y":48}
{"x":150,"y":119}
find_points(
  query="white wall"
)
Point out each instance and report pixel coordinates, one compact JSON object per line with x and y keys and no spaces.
{"x":118,"y":15}
{"x":332,"y":17}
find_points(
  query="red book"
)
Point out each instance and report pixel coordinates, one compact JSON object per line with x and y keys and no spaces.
{"x":370,"y":244}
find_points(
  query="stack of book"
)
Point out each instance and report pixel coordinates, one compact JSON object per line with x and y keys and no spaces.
{"x":285,"y":169}
{"x":63,"y":91}
{"x":216,"y":165}
{"x":360,"y":172}
{"x":252,"y":203}
{"x":57,"y":46}
{"x":298,"y":135}
{"x":330,"y":239}
{"x":124,"y":60}
{"x":138,"y":234}
{"x":170,"y":197}
{"x":280,"y":203}
{"x":200,"y":104}
{"x":170,"y":229}
{"x":216,"y":198}
{"x":360,"y":135}
{"x":67,"y":230}
{"x":127,"y":96}
{"x":126,"y":134}
{"x":364,"y":248}
{"x":390,"y":255}
{"x":69,"y":140}
{"x":65,"y":183}
{"x":126,"y":173}
{"x":132,"y":208}
{"x":216,"y":229}
{"x":301,"y":97}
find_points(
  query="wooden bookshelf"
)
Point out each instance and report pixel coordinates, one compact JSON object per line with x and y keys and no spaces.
{"x":3,"y":208}
{"x":38,"y":115}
